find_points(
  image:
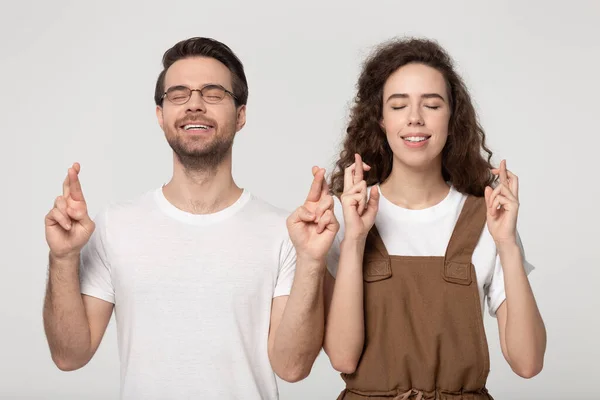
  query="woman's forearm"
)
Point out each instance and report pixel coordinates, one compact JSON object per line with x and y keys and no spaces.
{"x":344,"y":329}
{"x":525,"y":333}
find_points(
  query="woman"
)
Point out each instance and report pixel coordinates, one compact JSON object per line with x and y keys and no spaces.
{"x":418,"y":252}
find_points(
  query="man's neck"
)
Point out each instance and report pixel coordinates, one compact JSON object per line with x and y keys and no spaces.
{"x":202,"y":191}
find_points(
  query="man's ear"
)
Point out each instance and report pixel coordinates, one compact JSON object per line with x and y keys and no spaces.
{"x":241,"y":118}
{"x":159,"y":116}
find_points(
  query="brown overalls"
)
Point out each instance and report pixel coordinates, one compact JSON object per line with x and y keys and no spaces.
{"x":424,"y":333}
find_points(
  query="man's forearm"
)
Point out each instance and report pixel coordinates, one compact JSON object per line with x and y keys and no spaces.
{"x":525,"y":331}
{"x":299,"y":337}
{"x":65,"y":321}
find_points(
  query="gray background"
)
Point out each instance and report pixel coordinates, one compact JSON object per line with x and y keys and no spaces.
{"x":77,"y":85}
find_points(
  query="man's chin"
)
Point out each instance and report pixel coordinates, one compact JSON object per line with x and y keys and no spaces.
{"x":195,"y":147}
{"x":202,"y":157}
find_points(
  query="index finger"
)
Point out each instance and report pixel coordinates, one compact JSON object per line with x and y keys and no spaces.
{"x":503,"y":175}
{"x":325,"y":189}
{"x":514,"y":183}
{"x":358,"y":171}
{"x":65,"y":185}
{"x":348,"y":180}
{"x":75,"y":185}
{"x":315,"y":189}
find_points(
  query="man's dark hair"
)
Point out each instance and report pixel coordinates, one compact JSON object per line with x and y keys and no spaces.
{"x":205,"y":47}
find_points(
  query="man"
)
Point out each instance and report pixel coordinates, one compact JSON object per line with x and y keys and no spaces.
{"x":211,"y":294}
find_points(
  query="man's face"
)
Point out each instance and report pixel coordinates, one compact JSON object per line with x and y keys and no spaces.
{"x":200,"y":131}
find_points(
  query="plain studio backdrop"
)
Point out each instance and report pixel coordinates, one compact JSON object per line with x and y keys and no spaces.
{"x":78,"y":82}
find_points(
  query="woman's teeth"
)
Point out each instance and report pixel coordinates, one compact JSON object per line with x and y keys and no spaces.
{"x":415,"y":138}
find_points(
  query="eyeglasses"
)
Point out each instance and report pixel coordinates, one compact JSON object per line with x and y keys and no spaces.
{"x":210,"y":93}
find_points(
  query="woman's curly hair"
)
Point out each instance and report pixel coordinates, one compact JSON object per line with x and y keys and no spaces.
{"x":463,"y":161}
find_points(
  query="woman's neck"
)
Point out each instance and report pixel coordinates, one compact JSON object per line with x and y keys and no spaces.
{"x":413,"y":188}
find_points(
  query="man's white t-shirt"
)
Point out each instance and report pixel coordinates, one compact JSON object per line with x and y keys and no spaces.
{"x":192,"y":295}
{"x":427,"y":232}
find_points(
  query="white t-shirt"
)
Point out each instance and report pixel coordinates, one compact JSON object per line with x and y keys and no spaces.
{"x":192,"y":295}
{"x":427,"y":232}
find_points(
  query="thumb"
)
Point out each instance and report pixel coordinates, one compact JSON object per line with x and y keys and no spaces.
{"x":87,"y":223}
{"x":304,"y":215}
{"x":78,"y":212}
{"x":374,"y":197}
{"x":487,"y":194}
{"x":373,"y":203}
{"x":81,"y":216}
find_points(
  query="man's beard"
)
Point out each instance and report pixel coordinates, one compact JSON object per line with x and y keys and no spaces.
{"x":205,"y":158}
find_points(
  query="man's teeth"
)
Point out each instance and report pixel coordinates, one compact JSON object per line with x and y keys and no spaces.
{"x":415,"y":138}
{"x":188,"y":127}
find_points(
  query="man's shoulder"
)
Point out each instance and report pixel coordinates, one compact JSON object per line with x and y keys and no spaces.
{"x":266,"y":209}
{"x":265,"y":217}
{"x":138,"y":206}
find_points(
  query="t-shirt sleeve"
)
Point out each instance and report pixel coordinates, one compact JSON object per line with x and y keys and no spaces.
{"x":496,"y":293}
{"x":94,"y":268}
{"x":287,"y":269}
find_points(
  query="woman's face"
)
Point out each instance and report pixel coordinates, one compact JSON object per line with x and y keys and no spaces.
{"x":416,"y":112}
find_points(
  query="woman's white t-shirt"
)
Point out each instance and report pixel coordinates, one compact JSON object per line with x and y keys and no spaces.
{"x":427,"y":232}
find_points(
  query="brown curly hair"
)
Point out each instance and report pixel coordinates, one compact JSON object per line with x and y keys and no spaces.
{"x":463,"y":162}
